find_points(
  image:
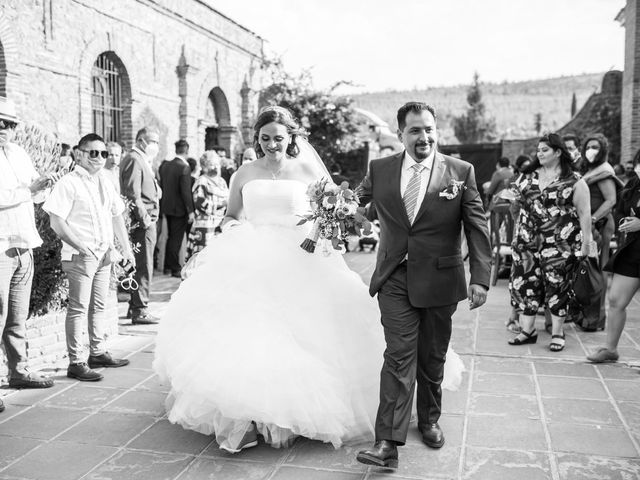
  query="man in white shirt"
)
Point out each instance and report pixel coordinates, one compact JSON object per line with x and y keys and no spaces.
{"x":85,"y":212}
{"x":20,"y":187}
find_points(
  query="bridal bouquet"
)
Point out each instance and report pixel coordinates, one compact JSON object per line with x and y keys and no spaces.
{"x":336,"y":215}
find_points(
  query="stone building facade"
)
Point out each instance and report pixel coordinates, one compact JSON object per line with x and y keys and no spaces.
{"x":77,"y":66}
{"x":630,"y":114}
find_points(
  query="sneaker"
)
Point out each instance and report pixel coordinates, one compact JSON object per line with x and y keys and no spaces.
{"x":106,"y":360}
{"x":1,"y":406}
{"x":603,"y":355}
{"x":82,"y":372}
{"x":30,"y":380}
{"x":144,"y":319}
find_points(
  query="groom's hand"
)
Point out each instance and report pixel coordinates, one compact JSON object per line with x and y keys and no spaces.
{"x":477,"y":296}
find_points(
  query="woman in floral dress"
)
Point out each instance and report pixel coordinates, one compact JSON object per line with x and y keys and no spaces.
{"x":554,"y":225}
{"x":210,"y":195}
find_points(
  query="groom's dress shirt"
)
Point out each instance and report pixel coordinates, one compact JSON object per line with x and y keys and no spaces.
{"x":407,"y":172}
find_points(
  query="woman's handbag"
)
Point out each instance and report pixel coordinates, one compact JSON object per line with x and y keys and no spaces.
{"x":587,"y":281}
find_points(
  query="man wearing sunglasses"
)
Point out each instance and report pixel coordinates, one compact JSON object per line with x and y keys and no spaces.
{"x":86,"y":211}
{"x":20,"y":187}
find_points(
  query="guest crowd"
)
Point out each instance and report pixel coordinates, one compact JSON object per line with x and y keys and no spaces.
{"x":109,"y":211}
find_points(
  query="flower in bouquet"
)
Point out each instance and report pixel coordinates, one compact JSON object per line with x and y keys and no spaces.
{"x":336,"y":214}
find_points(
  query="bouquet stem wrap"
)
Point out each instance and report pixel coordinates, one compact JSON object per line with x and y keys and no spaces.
{"x":309,"y":243}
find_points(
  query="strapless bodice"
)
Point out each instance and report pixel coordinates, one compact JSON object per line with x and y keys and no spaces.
{"x":275,"y":202}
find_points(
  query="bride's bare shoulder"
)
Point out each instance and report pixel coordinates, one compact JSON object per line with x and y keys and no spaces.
{"x":246,"y":173}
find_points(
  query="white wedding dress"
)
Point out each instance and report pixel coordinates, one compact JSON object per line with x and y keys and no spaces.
{"x":263,"y":331}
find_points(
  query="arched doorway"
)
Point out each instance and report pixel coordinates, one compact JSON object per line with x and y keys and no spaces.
{"x":111,"y":99}
{"x":216,"y":122}
{"x":3,"y":73}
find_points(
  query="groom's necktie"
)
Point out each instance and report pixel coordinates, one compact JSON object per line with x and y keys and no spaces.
{"x":410,"y":197}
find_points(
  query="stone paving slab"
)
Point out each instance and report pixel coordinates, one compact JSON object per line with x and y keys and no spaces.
{"x":521,"y":413}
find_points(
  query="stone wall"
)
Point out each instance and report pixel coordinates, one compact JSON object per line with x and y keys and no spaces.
{"x":174,"y":53}
{"x":630,"y":121}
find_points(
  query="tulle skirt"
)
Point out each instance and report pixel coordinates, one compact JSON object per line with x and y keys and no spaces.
{"x":262,"y":331}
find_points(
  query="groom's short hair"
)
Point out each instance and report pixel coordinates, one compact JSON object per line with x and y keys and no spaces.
{"x":414,"y":107}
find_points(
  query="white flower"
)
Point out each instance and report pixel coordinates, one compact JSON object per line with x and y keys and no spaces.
{"x":566,"y":193}
{"x":332,"y":188}
{"x":553,"y":300}
{"x":549,"y":252}
{"x":566,"y":231}
{"x":517,"y":283}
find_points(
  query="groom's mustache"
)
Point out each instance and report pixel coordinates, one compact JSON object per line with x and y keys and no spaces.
{"x":424,"y":144}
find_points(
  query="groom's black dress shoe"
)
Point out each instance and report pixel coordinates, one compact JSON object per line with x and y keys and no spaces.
{"x":432,"y":435}
{"x":383,"y":454}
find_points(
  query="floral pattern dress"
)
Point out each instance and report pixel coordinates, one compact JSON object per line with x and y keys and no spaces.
{"x":210,"y":195}
{"x":546,"y":240}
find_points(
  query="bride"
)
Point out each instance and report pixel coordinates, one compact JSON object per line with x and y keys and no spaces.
{"x":263,"y":337}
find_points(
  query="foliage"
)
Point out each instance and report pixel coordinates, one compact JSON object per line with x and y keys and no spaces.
{"x":474,"y":126}
{"x":49,"y":290}
{"x":329,"y":119}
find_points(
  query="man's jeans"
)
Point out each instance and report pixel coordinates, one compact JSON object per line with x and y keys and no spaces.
{"x":145,"y":240}
{"x":88,"y":294}
{"x":16,"y":274}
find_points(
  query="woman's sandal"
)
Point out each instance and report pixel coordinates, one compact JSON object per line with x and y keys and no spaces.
{"x":531,"y":337}
{"x":555,"y":345}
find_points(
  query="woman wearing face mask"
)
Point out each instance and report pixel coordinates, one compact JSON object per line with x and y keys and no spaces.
{"x":603,"y":184}
{"x":625,"y":265}
{"x":553,"y":227}
{"x":210,"y":195}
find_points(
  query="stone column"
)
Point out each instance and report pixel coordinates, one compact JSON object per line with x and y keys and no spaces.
{"x":630,"y":115}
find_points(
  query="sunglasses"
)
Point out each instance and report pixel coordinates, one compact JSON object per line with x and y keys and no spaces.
{"x":5,"y":124}
{"x":96,"y":153}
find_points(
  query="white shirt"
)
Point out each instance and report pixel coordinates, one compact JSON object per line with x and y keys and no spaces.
{"x":88,"y":203}
{"x":407,"y":172}
{"x":17,"y":219}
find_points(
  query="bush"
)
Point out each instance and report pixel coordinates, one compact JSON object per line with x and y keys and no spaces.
{"x":49,"y":290}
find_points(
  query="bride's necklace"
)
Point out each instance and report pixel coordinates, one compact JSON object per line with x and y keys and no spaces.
{"x":275,"y":173}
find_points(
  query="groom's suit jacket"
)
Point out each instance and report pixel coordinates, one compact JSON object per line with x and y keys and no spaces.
{"x":435,"y":269}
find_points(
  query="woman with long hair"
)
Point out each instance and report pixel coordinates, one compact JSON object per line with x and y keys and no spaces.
{"x":625,"y":265}
{"x":603,"y":184}
{"x":553,"y":227}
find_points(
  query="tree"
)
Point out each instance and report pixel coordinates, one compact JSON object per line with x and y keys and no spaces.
{"x":474,"y":126}
{"x":537,"y":122}
{"x":330,"y":119}
{"x":574,"y":105}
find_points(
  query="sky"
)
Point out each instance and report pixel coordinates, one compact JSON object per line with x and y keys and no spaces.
{"x":403,"y":44}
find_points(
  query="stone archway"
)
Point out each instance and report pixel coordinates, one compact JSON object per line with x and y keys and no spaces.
{"x":111,"y":99}
{"x":111,"y":46}
{"x":3,"y":73}
{"x":215,"y":130}
{"x":10,"y":67}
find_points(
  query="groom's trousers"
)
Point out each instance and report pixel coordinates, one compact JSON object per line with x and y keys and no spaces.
{"x":417,"y":341}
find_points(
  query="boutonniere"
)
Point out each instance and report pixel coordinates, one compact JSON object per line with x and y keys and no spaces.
{"x":453,"y":189}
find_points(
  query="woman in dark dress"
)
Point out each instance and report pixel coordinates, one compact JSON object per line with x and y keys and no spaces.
{"x":603,"y":185}
{"x":625,"y":265}
{"x":553,"y":227}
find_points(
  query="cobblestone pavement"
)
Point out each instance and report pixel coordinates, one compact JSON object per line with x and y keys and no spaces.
{"x":522,"y":413}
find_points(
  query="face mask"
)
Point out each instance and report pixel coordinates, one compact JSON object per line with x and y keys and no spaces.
{"x":152,"y":150}
{"x":591,"y":155}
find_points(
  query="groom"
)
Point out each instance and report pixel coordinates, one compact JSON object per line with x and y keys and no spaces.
{"x":423,"y":198}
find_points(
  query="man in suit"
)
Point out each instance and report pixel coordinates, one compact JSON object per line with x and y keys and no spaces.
{"x":176,"y":204}
{"x":422,"y":198}
{"x":138,"y":184}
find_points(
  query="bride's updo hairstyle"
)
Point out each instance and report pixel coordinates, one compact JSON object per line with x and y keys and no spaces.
{"x":283,"y":117}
